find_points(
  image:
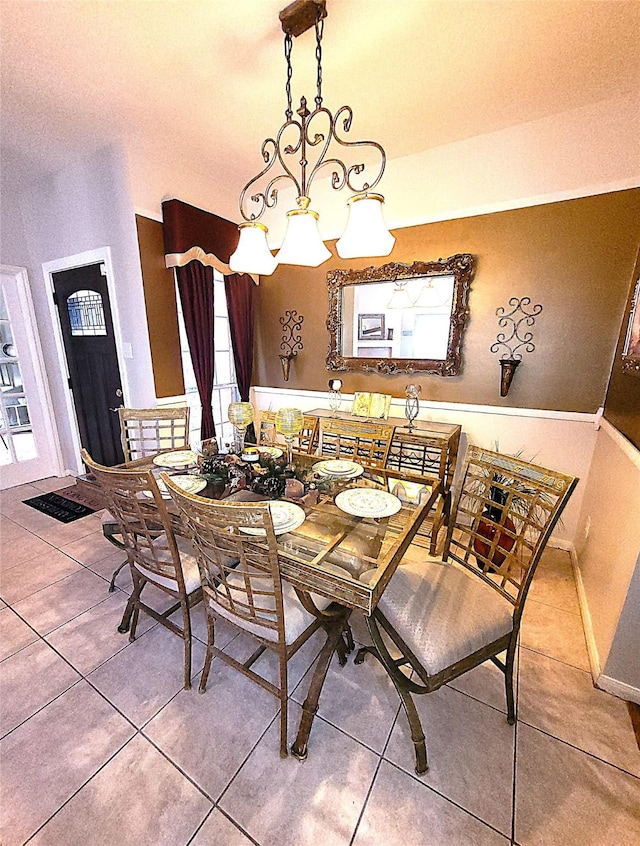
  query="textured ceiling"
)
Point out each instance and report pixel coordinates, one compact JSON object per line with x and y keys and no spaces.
{"x":204,"y":81}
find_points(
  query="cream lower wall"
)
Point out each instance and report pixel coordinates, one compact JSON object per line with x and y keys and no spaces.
{"x":561,"y":440}
{"x":609,"y":562}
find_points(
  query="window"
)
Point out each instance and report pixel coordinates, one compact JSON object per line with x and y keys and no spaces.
{"x":225,"y":389}
{"x":86,"y":313}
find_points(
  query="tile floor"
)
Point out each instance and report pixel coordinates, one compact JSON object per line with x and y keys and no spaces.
{"x":101,"y":745}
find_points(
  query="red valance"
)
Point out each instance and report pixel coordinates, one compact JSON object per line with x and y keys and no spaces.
{"x":186,"y":226}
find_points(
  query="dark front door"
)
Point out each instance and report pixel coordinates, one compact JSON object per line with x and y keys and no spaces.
{"x":82,"y":299}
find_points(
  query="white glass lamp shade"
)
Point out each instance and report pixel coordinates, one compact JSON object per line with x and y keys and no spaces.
{"x":289,"y":421}
{"x":252,"y":255}
{"x":302,"y":242}
{"x":240,"y":414}
{"x":400,"y":297}
{"x":430,"y":296}
{"x":366,"y":233}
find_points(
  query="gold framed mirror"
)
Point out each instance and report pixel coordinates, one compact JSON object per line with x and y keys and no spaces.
{"x":400,"y":318}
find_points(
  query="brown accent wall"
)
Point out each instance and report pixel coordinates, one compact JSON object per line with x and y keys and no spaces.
{"x":575,"y":257}
{"x":162,"y":315}
{"x":622,"y":407}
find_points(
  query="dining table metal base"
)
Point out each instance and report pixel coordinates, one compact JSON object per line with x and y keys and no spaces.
{"x":339,"y":642}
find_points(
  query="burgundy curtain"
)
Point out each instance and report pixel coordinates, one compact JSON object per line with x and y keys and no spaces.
{"x":195,"y":285}
{"x":239,"y":290}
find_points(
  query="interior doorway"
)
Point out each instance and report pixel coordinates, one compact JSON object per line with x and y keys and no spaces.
{"x":82,"y":300}
{"x":29,"y":447}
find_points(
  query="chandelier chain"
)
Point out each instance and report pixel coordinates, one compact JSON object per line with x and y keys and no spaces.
{"x":288,"y":46}
{"x":319,"y":31}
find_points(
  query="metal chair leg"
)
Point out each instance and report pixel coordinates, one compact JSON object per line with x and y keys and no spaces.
{"x":381,"y":653}
{"x":112,"y":583}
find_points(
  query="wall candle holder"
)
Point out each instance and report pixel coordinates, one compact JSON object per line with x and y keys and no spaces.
{"x":512,"y":343}
{"x":291,"y":322}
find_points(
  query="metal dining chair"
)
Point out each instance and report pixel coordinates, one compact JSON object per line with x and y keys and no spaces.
{"x":447,"y":616}
{"x":143,"y":432}
{"x":154,"y":553}
{"x":421,"y":458}
{"x":237,"y":553}
{"x":365,"y":442}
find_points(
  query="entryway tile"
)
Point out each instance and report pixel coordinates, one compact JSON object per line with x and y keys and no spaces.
{"x":60,"y":534}
{"x":402,"y":811}
{"x":209,"y":735}
{"x":280,"y":801}
{"x":18,"y":544}
{"x":28,"y":680}
{"x":137,"y":799}
{"x":93,"y":637}
{"x":217,"y":830}
{"x":60,"y":602}
{"x":51,"y":755}
{"x":54,"y":483}
{"x":562,"y":701}
{"x":553,"y":583}
{"x":555,"y":633}
{"x":36,"y":573}
{"x":142,"y":678}
{"x":470,"y":753}
{"x":91,"y":548}
{"x":14,"y":633}
{"x":564,"y":796}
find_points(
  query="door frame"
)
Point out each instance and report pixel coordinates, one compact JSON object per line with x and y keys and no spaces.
{"x":41,"y":382}
{"x":102,"y":256}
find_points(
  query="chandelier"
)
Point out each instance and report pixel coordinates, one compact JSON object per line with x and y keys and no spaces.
{"x":366,"y":233}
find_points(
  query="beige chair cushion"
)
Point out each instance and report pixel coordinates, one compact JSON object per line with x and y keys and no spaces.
{"x":443,"y":613}
{"x":190,"y":570}
{"x":296,"y":618}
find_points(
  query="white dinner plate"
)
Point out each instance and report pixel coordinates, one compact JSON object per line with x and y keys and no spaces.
{"x":178,"y":458}
{"x":339,"y":468}
{"x":368,"y":502}
{"x":286,"y":517}
{"x":274,"y":452}
{"x":190,"y":484}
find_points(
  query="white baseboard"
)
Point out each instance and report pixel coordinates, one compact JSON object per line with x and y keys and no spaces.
{"x":587,"y":623}
{"x":618,"y":688}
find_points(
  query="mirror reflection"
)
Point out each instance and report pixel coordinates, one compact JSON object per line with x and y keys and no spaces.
{"x":403,"y":319}
{"x":400,"y":318}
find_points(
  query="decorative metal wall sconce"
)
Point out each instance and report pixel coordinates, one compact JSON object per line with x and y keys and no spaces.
{"x":510,"y":343}
{"x":291,"y":322}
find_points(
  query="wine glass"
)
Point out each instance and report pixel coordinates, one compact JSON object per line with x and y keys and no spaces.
{"x":289,"y":422}
{"x":240,"y":415}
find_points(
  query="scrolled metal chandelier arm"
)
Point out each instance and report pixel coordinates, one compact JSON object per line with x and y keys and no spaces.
{"x":306,"y":143}
{"x":274,"y":150}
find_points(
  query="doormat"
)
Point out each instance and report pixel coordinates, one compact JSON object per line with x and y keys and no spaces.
{"x":79,"y":493}
{"x":59,"y":507}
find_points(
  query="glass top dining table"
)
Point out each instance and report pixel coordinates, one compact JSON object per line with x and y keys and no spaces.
{"x":347,"y":558}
